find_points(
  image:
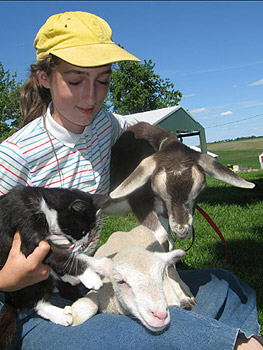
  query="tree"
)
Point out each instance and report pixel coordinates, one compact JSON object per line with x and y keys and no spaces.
{"x":136,"y":88}
{"x":10,"y":115}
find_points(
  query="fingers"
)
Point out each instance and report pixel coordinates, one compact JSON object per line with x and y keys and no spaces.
{"x":41,"y":250}
{"x":34,"y":260}
{"x":20,"y":271}
{"x":16,"y":245}
{"x":45,"y":271}
{"x":38,"y":256}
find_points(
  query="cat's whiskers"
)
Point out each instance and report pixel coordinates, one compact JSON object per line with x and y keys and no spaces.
{"x":70,"y":262}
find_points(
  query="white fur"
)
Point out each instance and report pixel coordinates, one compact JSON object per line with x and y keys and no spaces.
{"x":51,"y":216}
{"x":73,"y":280}
{"x":54,"y":313}
{"x":162,"y":231}
{"x":139,"y":282}
{"x":91,"y":276}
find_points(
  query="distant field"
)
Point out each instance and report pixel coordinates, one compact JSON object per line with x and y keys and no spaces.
{"x":243,"y":152}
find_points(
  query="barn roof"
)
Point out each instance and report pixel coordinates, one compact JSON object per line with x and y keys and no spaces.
{"x":175,"y":118}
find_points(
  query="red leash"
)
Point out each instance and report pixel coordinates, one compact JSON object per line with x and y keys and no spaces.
{"x":211,"y":222}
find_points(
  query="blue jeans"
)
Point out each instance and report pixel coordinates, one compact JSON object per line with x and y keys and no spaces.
{"x":226,"y":307}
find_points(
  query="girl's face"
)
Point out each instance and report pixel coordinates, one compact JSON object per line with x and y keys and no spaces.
{"x":77,"y":93}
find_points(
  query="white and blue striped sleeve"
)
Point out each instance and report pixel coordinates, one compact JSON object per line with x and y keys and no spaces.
{"x":119,"y":125}
{"x":14,"y":169}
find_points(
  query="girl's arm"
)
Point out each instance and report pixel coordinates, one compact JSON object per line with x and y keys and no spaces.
{"x":14,"y":169}
{"x":19,"y":271}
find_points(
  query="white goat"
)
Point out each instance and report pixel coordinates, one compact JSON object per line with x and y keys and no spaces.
{"x":141,"y":281}
{"x":160,"y":179}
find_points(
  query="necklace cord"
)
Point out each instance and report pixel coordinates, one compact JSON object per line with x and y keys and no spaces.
{"x":53,"y":148}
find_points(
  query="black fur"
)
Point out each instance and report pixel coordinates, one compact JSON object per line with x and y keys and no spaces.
{"x":20,"y":210}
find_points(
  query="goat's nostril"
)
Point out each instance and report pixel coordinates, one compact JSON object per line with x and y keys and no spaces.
{"x":164,"y":214}
{"x":160,"y":315}
{"x":181,"y":230}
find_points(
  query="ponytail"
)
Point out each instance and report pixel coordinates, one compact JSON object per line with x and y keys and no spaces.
{"x":34,"y":97}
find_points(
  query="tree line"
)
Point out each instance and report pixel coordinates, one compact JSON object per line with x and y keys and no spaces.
{"x":238,"y":139}
{"x":134,"y":88}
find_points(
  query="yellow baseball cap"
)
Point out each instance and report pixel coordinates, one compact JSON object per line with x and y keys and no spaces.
{"x":79,"y":38}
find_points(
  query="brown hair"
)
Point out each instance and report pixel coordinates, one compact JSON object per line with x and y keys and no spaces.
{"x":34,"y":97}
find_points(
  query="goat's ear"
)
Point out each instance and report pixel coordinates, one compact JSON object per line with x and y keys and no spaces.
{"x":103,"y":266}
{"x":218,"y":171}
{"x":172,"y":257}
{"x":100,"y":200}
{"x":136,"y":179}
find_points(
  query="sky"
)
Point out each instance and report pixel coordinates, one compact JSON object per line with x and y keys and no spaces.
{"x":212,"y":51}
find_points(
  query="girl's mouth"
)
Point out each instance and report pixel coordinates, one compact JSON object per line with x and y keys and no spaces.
{"x":87,"y":111}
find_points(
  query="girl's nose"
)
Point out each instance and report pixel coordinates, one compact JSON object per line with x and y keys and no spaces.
{"x":89,"y":94}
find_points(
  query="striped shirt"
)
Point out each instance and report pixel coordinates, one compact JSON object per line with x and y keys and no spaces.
{"x":59,"y":158}
{"x":28,"y":158}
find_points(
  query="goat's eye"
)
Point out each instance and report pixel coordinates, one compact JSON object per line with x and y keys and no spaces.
{"x":118,"y":278}
{"x":161,"y":169}
{"x":121,"y":282}
{"x":124,"y":284}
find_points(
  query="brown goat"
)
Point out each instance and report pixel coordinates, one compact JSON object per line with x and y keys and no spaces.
{"x":159,"y":179}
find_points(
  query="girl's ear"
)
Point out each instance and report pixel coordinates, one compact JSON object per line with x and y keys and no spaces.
{"x":43,"y":79}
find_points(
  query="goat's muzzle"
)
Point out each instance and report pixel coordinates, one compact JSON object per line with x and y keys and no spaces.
{"x":181,"y":231}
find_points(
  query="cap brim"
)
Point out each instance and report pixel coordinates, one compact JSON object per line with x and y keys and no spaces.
{"x":94,"y":55}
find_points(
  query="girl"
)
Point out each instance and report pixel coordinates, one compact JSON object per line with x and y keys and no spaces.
{"x":66,"y":141}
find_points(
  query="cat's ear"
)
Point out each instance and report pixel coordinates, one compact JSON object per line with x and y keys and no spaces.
{"x":78,"y":205}
{"x":100,"y":200}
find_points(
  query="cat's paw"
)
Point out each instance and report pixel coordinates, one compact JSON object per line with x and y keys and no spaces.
{"x":66,"y":316}
{"x":73,"y":280}
{"x":91,"y":279}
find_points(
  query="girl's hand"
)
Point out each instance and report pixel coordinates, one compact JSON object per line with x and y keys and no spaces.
{"x":19,"y":271}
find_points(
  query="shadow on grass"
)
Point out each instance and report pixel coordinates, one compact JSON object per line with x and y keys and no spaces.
{"x":225,"y":194}
{"x":245,"y":260}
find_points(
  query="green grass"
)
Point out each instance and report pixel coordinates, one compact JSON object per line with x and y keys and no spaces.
{"x":238,"y":213}
{"x":241,"y":152}
{"x":243,"y":158}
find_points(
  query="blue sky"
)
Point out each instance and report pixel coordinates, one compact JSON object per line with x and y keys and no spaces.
{"x":211,"y":50}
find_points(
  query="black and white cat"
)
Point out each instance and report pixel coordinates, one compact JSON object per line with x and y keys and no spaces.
{"x":37,"y":213}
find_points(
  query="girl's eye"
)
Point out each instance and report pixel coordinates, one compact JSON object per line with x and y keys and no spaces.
{"x":74,"y":83}
{"x":103,"y":82}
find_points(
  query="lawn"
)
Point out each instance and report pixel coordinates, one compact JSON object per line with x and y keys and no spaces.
{"x":238,"y":213}
{"x":244,"y":153}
